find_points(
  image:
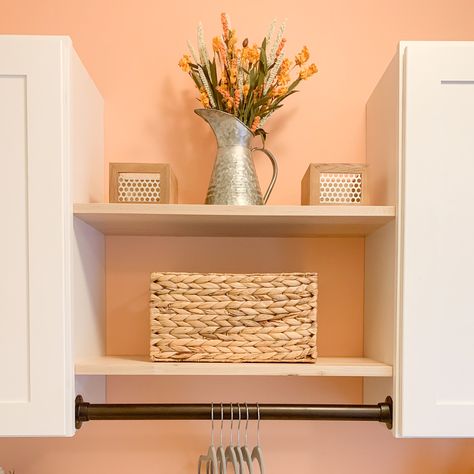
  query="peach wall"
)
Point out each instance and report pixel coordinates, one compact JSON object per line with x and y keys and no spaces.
{"x":338,"y":261}
{"x":131,"y":49}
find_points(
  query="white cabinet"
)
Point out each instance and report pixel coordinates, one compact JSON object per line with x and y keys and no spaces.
{"x":419,"y":316}
{"x":51,"y":154}
{"x":421,"y":132}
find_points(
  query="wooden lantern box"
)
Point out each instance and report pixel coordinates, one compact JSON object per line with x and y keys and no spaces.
{"x":145,"y":183}
{"x":334,"y":183}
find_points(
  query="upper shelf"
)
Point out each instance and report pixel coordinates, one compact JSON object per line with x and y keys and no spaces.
{"x":324,"y":366}
{"x":233,"y":221}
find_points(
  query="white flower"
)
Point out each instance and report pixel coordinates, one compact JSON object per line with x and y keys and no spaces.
{"x":240,"y":76}
{"x":274,"y":72}
{"x":276,"y":43}
{"x":205,"y":84}
{"x":270,"y":31}
{"x":202,"y":47}
{"x":193,"y":53}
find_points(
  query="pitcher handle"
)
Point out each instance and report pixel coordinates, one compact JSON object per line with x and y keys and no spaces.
{"x":275,"y":172}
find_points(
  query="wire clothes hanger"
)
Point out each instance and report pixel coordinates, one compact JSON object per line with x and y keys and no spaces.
{"x":221,"y":459}
{"x":257,"y":452}
{"x":244,"y":455}
{"x":237,"y":449}
{"x":230,"y":452}
{"x":210,"y":460}
{"x":247,"y":456}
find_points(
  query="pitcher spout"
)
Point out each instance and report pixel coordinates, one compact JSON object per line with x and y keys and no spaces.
{"x":228,"y":129}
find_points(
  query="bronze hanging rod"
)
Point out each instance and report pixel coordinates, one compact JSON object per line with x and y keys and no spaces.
{"x":381,"y":412}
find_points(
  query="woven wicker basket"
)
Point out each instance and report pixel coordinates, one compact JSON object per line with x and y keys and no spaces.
{"x":233,"y":317}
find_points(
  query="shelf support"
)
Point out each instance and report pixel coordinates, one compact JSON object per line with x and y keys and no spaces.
{"x":382,"y":412}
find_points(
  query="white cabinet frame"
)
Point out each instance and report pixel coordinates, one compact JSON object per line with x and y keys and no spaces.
{"x":420,"y":143}
{"x":50,"y":147}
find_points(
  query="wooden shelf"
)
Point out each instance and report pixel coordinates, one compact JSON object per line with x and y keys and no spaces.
{"x":324,"y":366}
{"x":235,"y":221}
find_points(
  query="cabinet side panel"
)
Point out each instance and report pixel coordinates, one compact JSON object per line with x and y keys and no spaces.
{"x":87,"y":135}
{"x":382,"y":135}
{"x":380,"y":247}
{"x":89,"y":290}
{"x":14,"y":320}
{"x":379,"y":303}
{"x":88,"y":245}
{"x":379,"y":308}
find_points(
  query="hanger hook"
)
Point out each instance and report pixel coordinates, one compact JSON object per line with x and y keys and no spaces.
{"x":258,"y":424}
{"x":238,"y":426}
{"x":231,"y":424}
{"x":222,"y":420}
{"x":247,"y":422}
{"x":212,"y":424}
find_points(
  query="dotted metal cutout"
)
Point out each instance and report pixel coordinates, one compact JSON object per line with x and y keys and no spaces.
{"x":139,"y":187}
{"x":340,"y":188}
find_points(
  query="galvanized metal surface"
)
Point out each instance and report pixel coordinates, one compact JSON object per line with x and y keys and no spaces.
{"x":234,"y":180}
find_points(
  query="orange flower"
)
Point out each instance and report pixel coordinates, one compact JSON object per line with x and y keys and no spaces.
{"x":245,"y":90}
{"x":233,"y":71}
{"x":232,"y":40}
{"x":236,"y":99}
{"x":216,"y":42}
{"x":280,"y":47}
{"x":222,"y":53}
{"x":219,"y":48}
{"x":283,"y":79}
{"x":204,"y":99}
{"x":222,"y":89}
{"x":252,"y":55}
{"x":285,"y":65}
{"x":283,"y":76}
{"x":308,"y":72}
{"x":279,"y":91}
{"x":255,"y":124}
{"x":225,"y":25}
{"x":302,"y":56}
{"x":184,"y":63}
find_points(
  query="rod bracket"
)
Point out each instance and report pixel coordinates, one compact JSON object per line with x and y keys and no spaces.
{"x":81,"y":408}
{"x":386,"y":412}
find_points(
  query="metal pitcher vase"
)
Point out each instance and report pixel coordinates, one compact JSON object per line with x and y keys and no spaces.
{"x":233,"y":180}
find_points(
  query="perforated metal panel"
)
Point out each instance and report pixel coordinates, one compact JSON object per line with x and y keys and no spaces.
{"x":340,"y":188}
{"x":139,"y":187}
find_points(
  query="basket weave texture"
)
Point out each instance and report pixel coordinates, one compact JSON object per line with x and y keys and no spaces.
{"x":233,"y":317}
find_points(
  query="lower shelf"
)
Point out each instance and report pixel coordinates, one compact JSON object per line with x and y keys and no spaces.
{"x":325,"y":366}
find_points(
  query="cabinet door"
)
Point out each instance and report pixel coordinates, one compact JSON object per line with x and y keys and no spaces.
{"x":437,"y":242}
{"x":36,"y":371}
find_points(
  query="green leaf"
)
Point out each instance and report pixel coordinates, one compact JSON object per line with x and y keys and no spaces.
{"x":263,"y":55}
{"x":266,"y":98}
{"x":284,"y":96}
{"x":196,"y":79}
{"x":294,"y":84}
{"x":212,"y":67}
{"x":263,"y":134}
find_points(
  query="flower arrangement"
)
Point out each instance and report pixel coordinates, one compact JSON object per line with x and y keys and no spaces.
{"x":249,"y":82}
